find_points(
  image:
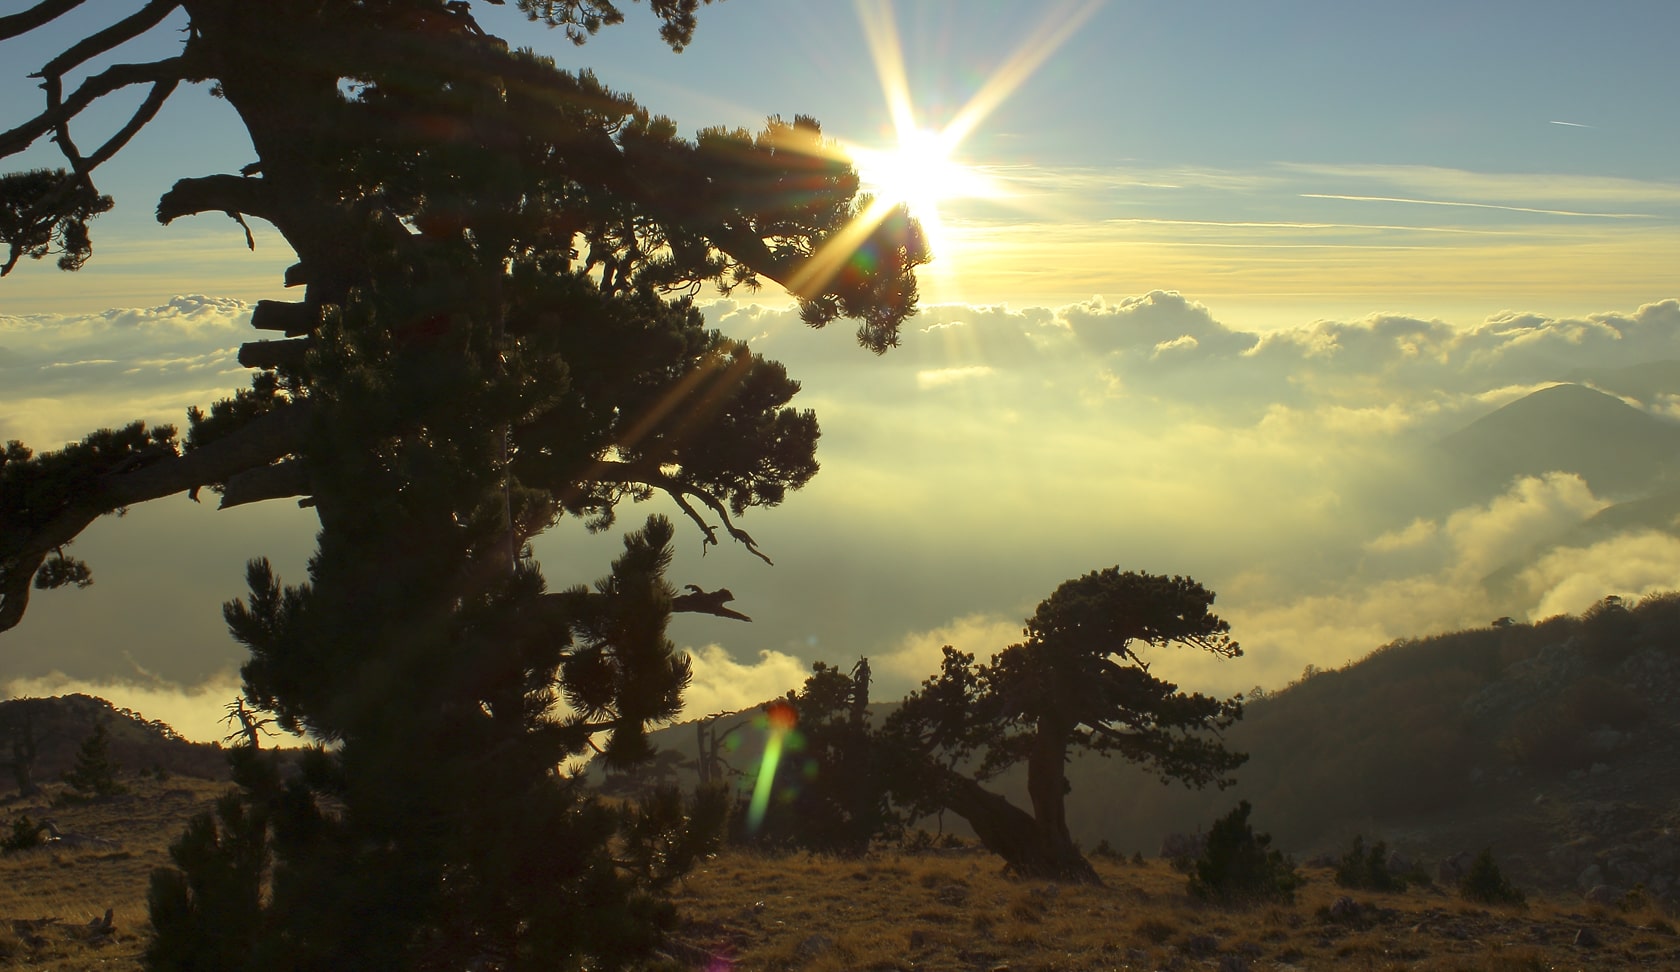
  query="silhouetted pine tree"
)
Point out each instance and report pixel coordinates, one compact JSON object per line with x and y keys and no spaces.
{"x":1077,"y":682}
{"x":95,"y":771}
{"x":496,"y":332}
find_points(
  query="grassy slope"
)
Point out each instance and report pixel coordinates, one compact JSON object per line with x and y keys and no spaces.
{"x":77,"y":885}
{"x":938,"y":910}
{"x":957,"y":911}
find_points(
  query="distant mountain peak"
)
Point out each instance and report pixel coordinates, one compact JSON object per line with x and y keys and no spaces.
{"x":1617,"y":448}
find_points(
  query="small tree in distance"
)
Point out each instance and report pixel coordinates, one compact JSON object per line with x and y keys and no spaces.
{"x":20,"y":737}
{"x":1485,"y":883}
{"x":1367,"y":869}
{"x":95,"y":773}
{"x":836,"y":798}
{"x":1240,"y":865}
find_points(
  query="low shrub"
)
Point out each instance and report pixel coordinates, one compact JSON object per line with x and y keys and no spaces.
{"x":1156,"y":931}
{"x":1485,"y":884}
{"x":916,"y":841}
{"x":25,"y":834}
{"x":1367,"y":869}
{"x":1240,"y":866}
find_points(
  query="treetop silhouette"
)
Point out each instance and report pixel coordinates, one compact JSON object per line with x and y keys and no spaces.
{"x":497,"y":260}
{"x":448,"y":195}
{"x":1078,"y":681}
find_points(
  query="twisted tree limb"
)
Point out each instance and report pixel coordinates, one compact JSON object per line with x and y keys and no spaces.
{"x":24,"y":547}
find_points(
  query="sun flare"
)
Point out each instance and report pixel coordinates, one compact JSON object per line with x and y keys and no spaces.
{"x":919,"y":172}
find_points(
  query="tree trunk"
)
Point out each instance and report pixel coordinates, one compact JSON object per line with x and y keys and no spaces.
{"x":1010,"y":832}
{"x":25,"y":748}
{"x":1047,"y":787}
{"x":25,"y":779}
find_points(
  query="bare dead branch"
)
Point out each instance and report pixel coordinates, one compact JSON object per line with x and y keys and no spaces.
{"x":289,"y":477}
{"x":13,"y":25}
{"x":699,"y":601}
{"x":250,"y":241}
{"x":679,"y":491}
{"x":217,"y":194}
{"x":145,"y":113}
{"x":118,"y":33}
{"x":112,"y":78}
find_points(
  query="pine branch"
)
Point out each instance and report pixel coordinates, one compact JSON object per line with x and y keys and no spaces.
{"x":24,"y":547}
{"x":680,"y":491}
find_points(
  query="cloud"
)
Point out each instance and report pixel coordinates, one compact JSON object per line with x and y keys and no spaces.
{"x":1001,"y":451}
{"x":1148,"y":324}
{"x":1414,"y":535}
{"x":999,"y":336}
{"x":722,"y":684}
{"x":939,"y":377}
{"x":66,"y":375}
{"x":918,"y":654}
{"x":1504,"y":187}
{"x":1570,"y":580}
{"x":1427,"y":577}
{"x":1474,"y":205}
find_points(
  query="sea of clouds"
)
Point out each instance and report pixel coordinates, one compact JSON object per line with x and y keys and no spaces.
{"x":998,"y":452}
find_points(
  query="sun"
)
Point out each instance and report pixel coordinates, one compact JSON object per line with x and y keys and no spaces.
{"x":919,"y":172}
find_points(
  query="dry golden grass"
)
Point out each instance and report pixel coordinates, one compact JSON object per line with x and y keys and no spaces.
{"x":49,"y":895}
{"x":938,"y":911}
{"x":957,"y":910}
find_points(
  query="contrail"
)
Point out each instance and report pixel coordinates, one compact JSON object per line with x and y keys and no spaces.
{"x":1570,"y":124}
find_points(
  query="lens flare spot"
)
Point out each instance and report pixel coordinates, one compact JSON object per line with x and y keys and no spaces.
{"x":779,"y":717}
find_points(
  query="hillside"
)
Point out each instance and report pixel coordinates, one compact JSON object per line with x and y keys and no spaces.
{"x":58,"y":726}
{"x":896,"y":910}
{"x":1554,"y":743}
{"x":1619,"y":450}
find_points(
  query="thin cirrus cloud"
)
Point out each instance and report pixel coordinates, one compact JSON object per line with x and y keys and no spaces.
{"x":1449,"y":237}
{"x":1476,"y":205}
{"x":1526,"y":187}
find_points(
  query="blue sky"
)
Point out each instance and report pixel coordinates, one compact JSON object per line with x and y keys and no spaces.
{"x":1248,"y":262}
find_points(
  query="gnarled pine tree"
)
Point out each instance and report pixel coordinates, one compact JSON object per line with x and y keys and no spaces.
{"x":497,"y":258}
{"x":1078,"y":681}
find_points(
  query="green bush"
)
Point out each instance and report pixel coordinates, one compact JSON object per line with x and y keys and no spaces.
{"x":1240,"y":866}
{"x":1483,"y":883}
{"x":1367,"y":869}
{"x":25,"y":834}
{"x":1608,"y":630}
